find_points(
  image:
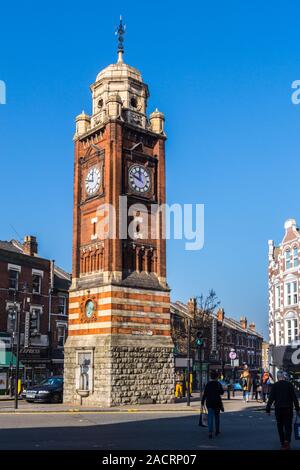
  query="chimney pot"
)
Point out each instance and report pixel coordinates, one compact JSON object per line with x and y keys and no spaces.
{"x":30,"y":245}
{"x":220,"y":314}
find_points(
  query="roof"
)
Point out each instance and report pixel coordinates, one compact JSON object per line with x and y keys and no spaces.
{"x":62,"y":279}
{"x":12,"y":245}
{"x":118,"y":71}
{"x":181,"y":309}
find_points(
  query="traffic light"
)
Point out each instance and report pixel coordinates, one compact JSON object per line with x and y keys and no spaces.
{"x":199,"y":338}
{"x":219,"y":332}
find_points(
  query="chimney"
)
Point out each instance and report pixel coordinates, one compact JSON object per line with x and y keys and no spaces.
{"x":243,"y":322}
{"x":220,"y":314}
{"x":271,"y":249}
{"x":252,"y":326}
{"x":30,"y":245}
{"x":192,"y":306}
{"x":290,"y":223}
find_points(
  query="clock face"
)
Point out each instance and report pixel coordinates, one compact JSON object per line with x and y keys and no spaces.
{"x":139,"y":178}
{"x":89,"y":308}
{"x":92,"y":181}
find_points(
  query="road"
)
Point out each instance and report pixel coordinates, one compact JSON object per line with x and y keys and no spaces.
{"x":242,"y":428}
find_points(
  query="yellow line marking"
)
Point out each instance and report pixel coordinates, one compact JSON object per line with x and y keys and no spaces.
{"x":94,"y":412}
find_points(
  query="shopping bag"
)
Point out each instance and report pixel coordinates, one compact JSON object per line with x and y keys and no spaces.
{"x":203,"y":418}
{"x":297,"y":428}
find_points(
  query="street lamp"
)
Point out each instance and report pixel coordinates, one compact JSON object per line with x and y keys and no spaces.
{"x":188,"y":401}
{"x":18,"y":329}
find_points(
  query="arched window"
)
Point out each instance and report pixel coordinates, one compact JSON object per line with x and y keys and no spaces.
{"x":291,"y":328}
{"x":287,"y":259}
{"x":295,"y":256}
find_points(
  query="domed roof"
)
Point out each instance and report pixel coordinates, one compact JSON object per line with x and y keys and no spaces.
{"x":119,"y":70}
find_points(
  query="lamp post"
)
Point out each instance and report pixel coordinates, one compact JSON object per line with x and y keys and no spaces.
{"x":188,"y":401}
{"x":18,"y":329}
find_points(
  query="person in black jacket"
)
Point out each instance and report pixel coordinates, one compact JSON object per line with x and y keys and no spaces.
{"x":284,"y":398}
{"x":212,"y":397}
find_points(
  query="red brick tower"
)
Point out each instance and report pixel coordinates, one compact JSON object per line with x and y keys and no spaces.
{"x":119,"y":349}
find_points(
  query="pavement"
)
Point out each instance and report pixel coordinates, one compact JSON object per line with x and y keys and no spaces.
{"x":145,"y":427}
{"x":7,"y":406}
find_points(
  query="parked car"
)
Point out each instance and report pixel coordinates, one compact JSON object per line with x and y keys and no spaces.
{"x":49,"y":390}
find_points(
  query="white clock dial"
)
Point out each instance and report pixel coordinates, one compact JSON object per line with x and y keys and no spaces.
{"x":93,"y":180}
{"x":139,"y":178}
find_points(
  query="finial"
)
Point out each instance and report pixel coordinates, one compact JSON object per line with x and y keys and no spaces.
{"x":120,"y":31}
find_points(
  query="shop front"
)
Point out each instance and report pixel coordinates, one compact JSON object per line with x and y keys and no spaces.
{"x":37,"y":365}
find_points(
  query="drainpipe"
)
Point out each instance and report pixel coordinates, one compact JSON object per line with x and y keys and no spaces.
{"x":51,"y":285}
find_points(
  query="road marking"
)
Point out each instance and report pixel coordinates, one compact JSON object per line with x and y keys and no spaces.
{"x":96,"y":412}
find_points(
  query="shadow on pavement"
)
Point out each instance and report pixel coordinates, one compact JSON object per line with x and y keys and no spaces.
{"x":240,"y":430}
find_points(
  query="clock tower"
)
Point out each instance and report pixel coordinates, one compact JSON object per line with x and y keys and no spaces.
{"x":119,"y":348}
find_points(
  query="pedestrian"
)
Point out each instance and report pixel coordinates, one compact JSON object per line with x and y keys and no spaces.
{"x":284,"y":398}
{"x":213,"y":401}
{"x":179,"y":385}
{"x":246,"y":383}
{"x":266,"y":384}
{"x":255,"y":385}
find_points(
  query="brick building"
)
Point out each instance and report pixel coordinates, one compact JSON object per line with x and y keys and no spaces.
{"x":284,"y":306}
{"x":38,"y":289}
{"x":221,"y":334}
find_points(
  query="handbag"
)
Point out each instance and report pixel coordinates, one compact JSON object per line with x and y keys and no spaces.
{"x":203,"y":418}
{"x":297,"y":428}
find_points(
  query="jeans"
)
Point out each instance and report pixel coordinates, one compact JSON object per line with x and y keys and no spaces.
{"x":213,"y":414}
{"x":284,"y":418}
{"x":246,"y":395}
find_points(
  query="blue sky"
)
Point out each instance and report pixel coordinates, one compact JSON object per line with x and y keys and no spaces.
{"x":220,"y":71}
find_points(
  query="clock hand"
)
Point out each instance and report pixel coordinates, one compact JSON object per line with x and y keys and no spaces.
{"x":139,"y":179}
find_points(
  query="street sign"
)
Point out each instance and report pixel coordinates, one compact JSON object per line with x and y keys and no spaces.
{"x":235,"y":362}
{"x":26,"y":334}
{"x":214,"y":335}
{"x":232,"y":355}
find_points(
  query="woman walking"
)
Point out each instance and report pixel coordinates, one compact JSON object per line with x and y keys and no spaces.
{"x":212,"y":398}
{"x":246,"y":383}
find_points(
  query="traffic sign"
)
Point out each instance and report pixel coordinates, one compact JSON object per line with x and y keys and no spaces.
{"x":232,"y":355}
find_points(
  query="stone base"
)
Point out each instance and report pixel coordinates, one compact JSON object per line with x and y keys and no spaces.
{"x":126,"y":370}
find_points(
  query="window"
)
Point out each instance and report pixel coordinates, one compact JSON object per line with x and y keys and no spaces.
{"x":13,"y":279}
{"x":62,"y":305}
{"x":61,"y":334}
{"x":34,"y":322}
{"x":291,"y":328}
{"x":277,"y":333}
{"x":36,"y":284}
{"x":277,"y":296}
{"x":11,"y":318}
{"x":291,"y":293}
{"x":287,"y":259}
{"x":295,"y":256}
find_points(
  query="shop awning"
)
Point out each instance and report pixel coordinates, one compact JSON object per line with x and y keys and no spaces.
{"x":287,"y":357}
{"x":7,"y":358}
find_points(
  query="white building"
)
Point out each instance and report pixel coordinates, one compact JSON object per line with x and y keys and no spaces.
{"x":284,"y":306}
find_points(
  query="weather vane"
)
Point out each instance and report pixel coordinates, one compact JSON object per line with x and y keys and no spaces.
{"x":120,"y":31}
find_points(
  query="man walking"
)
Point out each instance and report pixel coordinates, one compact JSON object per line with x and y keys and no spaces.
{"x":212,"y":397}
{"x":284,"y":398}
